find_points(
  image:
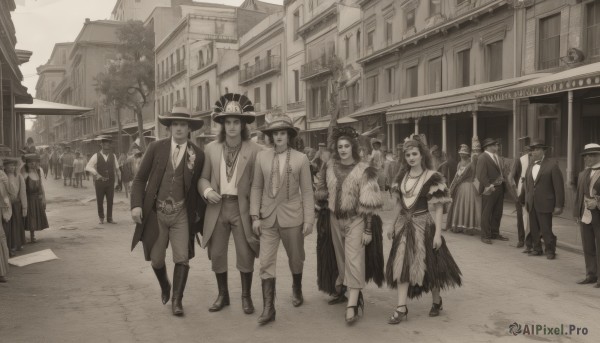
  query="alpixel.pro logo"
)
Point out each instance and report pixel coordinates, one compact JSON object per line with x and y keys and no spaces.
{"x":545,"y":330}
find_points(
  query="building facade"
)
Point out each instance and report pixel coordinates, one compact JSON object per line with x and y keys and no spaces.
{"x":125,"y":10}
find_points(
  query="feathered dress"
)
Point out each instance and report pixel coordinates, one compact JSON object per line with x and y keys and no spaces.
{"x":412,"y":257}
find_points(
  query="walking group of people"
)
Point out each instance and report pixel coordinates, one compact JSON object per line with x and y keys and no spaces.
{"x":22,"y":205}
{"x":264,"y":196}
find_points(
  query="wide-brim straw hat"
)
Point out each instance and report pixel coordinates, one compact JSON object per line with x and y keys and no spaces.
{"x":234,"y":104}
{"x":181,"y":114}
{"x":488,"y":141}
{"x":590,"y":149}
{"x":281,"y":122}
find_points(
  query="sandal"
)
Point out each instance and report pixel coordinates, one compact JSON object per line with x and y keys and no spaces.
{"x":398,"y":316}
{"x":435,"y":309}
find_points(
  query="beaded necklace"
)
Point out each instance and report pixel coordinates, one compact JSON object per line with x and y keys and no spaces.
{"x":410,"y":193}
{"x":231,"y":156}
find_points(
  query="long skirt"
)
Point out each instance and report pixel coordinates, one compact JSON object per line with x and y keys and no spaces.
{"x":4,"y":253}
{"x":16,"y":239}
{"x":36,"y":214}
{"x":413,"y":260}
{"x":465,"y":212}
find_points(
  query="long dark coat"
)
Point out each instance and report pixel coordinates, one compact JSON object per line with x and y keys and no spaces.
{"x":146,"y":184}
{"x":547,"y":192}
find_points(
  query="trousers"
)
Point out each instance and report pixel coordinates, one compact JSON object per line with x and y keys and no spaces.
{"x":172,"y":228}
{"x":105,"y":189}
{"x":541,"y":223}
{"x":293,"y":242}
{"x":349,"y":250}
{"x":491,"y":213}
{"x":590,"y":240}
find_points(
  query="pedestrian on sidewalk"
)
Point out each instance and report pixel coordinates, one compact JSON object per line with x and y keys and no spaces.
{"x":225,"y":184}
{"x":544,"y":198}
{"x":492,"y":188}
{"x":67,"y":160}
{"x":44,"y":161}
{"x":36,"y":197}
{"x":6,"y":215}
{"x":349,"y":200}
{"x":55,"y":161}
{"x":18,"y":197}
{"x":516,"y":181}
{"x":78,"y":170}
{"x":282,"y":209}
{"x":165,"y":203}
{"x":104,"y":166}
{"x":587,"y":212}
{"x":464,"y":213}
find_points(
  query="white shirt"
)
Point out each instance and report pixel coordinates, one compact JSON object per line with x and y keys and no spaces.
{"x":536,"y":169}
{"x":228,"y":187}
{"x":93,"y":164}
{"x":592,"y":174}
{"x":182,"y":150}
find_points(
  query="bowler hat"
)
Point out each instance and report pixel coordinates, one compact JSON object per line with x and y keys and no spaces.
{"x":487,"y":142}
{"x":591,"y":148}
{"x":538,"y":143}
{"x":464,"y":150}
{"x":281,"y":122}
{"x":234,"y":104}
{"x":181,"y":114}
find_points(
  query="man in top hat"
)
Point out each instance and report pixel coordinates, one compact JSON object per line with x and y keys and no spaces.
{"x":491,"y":188}
{"x":516,"y":180}
{"x":282,"y":208}
{"x":165,"y":204}
{"x":544,"y":197}
{"x":104,"y":166}
{"x":67,"y":160}
{"x":587,"y":212}
{"x":225,"y":184}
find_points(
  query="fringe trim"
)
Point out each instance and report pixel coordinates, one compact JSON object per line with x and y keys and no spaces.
{"x":327,"y":270}
{"x":374,"y":265}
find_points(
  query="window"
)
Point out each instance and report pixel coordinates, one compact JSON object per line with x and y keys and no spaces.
{"x":178,"y":95}
{"x":171,"y":102}
{"x":410,"y":19}
{"x":549,"y":53}
{"x":183,"y":56}
{"x":172,"y":65}
{"x":296,"y":24}
{"x":162,"y":70}
{"x":371,"y":90}
{"x":494,"y":61}
{"x":257,"y":99}
{"x":184,"y":96}
{"x":207,"y":96}
{"x":314,"y":102}
{"x":311,"y":5}
{"x":390,"y":75}
{"x":269,"y":87}
{"x":296,"y":86}
{"x":200,"y":59}
{"x":460,"y":2}
{"x":357,"y":95}
{"x":435,"y":7}
{"x":463,"y":64}
{"x":157,"y":72}
{"x":199,"y":99}
{"x":347,"y":47}
{"x":358,"y":43}
{"x":324,"y":97}
{"x":412,"y":82}
{"x":370,"y":39}
{"x":593,"y":29}
{"x":256,"y":62}
{"x":178,"y":60}
{"x":435,"y":75}
{"x":388,"y":31}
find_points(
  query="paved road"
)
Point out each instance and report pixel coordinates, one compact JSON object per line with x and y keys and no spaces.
{"x":99,"y":291}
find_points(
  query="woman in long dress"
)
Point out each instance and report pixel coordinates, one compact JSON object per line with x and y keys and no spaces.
{"x":18,"y":199}
{"x":419,"y":261}
{"x":5,"y":214}
{"x":464,"y":214}
{"x":36,"y":198}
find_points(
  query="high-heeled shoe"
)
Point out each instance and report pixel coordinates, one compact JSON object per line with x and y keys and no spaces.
{"x":359,"y":304}
{"x":398,"y":316}
{"x":435,"y":309}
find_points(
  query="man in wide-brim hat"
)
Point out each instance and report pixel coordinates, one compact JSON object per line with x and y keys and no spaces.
{"x":282,"y":209}
{"x":587,"y":212}
{"x":544,"y":198}
{"x":104,"y":166}
{"x":225,"y":184}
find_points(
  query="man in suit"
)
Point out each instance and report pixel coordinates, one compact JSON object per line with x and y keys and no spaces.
{"x":105,"y":168}
{"x":282,"y":208}
{"x":587,"y":212}
{"x":225,"y":184}
{"x":491,"y":188}
{"x":544,"y":197}
{"x":165,"y":204}
{"x":516,"y":180}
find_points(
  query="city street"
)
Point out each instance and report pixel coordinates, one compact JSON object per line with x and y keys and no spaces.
{"x":99,"y":291}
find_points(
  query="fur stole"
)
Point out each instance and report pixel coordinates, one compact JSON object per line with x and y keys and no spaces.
{"x":435,"y":188}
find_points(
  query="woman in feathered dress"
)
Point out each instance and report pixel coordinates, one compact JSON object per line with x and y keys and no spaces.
{"x":464,"y":214}
{"x":419,"y":261}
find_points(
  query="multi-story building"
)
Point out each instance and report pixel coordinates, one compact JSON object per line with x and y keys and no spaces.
{"x":260,"y":65}
{"x":125,"y":10}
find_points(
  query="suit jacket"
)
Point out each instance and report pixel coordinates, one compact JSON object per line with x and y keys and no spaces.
{"x":288,"y":212}
{"x":487,"y":171}
{"x":145,"y":186}
{"x":211,"y":177}
{"x":583,"y":189}
{"x":547,"y":191}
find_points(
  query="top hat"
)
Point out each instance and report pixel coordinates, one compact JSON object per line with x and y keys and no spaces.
{"x":281,"y":122}
{"x":591,"y":148}
{"x":181,"y":114}
{"x":234,"y":104}
{"x":487,"y":142}
{"x":464,"y":150}
{"x":537,"y":143}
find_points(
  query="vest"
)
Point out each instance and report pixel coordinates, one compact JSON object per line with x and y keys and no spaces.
{"x":172,"y":186}
{"x":106,"y":168}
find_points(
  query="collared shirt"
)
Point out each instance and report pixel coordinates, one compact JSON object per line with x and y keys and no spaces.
{"x":228,"y":187}
{"x":182,"y":149}
{"x":93,"y":164}
{"x":535,"y":170}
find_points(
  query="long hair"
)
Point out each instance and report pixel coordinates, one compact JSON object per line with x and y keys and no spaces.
{"x":426,"y":161}
{"x":291,"y":140}
{"x":353,"y":142}
{"x":245,"y":131}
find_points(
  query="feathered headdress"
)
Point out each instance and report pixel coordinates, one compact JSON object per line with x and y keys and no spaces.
{"x":233,"y":104}
{"x":415,"y":141}
{"x":344,"y":131}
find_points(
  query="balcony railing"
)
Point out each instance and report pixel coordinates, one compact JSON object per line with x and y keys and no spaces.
{"x":295,"y":105}
{"x":316,"y":67}
{"x":263,"y":67}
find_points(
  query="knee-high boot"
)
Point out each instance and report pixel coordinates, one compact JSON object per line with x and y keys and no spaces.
{"x":163,"y":281}
{"x":297,"y":298}
{"x":268,"y":290}
{"x":180,"y":276}
{"x":223,"y":297}
{"x":247,"y":304}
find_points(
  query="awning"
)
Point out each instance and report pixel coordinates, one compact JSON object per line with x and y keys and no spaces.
{"x":346,"y":120}
{"x":374,"y":109}
{"x":457,"y":100}
{"x":147,"y":126}
{"x":49,"y":108}
{"x":586,"y":76}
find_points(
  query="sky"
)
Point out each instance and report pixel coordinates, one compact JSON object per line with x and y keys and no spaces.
{"x":42,"y":23}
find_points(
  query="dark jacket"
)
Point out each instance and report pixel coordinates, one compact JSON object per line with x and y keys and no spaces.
{"x":547,"y":192}
{"x":583,"y":188}
{"x":144,"y":191}
{"x":487,"y":172}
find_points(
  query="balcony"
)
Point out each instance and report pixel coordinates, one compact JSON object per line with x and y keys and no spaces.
{"x":264,"y":67}
{"x":292,"y":106}
{"x":316,"y":67}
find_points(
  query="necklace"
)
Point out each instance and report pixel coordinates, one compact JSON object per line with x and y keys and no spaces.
{"x":275,"y":178}
{"x":410,"y":193}
{"x":231,"y":156}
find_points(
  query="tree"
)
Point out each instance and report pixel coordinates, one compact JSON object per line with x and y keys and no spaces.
{"x":336,"y":67}
{"x":128,"y":81}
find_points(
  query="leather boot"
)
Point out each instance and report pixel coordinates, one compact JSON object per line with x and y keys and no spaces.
{"x":165,"y":284}
{"x":223,"y":297}
{"x":297,"y":298}
{"x":340,"y":296}
{"x":247,"y":304}
{"x":180,"y":275}
{"x":268,"y":290}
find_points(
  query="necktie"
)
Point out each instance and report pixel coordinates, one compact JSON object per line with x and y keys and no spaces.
{"x":175,"y":155}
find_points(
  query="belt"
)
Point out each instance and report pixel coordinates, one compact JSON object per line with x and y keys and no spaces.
{"x":229,"y":197}
{"x":169,"y":207}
